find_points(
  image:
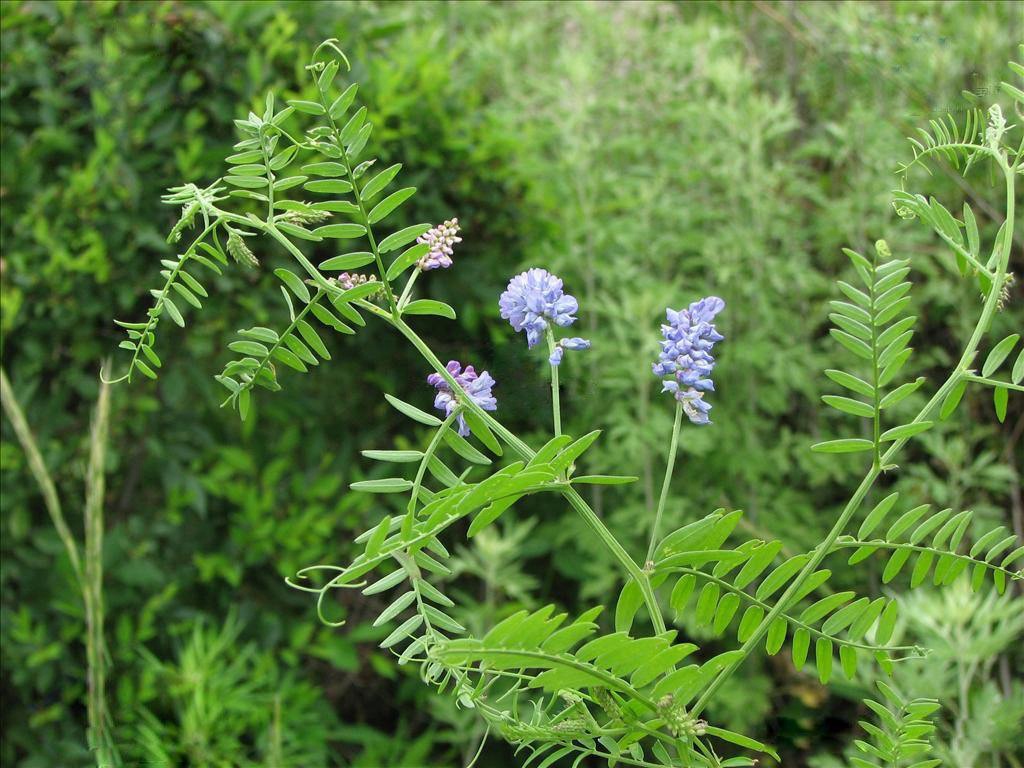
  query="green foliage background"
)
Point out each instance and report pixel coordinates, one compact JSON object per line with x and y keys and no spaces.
{"x":647,"y":153}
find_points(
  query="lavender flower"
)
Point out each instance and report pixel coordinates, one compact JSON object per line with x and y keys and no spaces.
{"x":349,"y":280}
{"x":574,"y":343}
{"x":477,"y":386}
{"x":441,"y":240}
{"x":534,"y":298}
{"x":686,"y":355}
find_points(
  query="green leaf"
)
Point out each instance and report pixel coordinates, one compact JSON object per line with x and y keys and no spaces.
{"x":776,"y":636}
{"x":900,"y":393}
{"x":283,"y":157}
{"x":329,"y":186}
{"x":380,"y":533}
{"x":1000,"y":397}
{"x":343,"y":231}
{"x":308,"y":107}
{"x":906,"y":430}
{"x":781,"y":576}
{"x":412,"y":412}
{"x":174,"y":312}
{"x":886,"y":623}
{"x":347,"y":261}
{"x":681,"y":592}
{"x":289,"y":358}
{"x":823,"y":658}
{"x":895,"y":565}
{"x":192,"y":283}
{"x":801,"y":644}
{"x":383,"y":485}
{"x":310,"y":336}
{"x":325,"y":169}
{"x":706,"y":603}
{"x":293,"y":282}
{"x":429,"y":307}
{"x":186,"y":294}
{"x":877,"y":515}
{"x":399,"y":457}
{"x":630,"y":600}
{"x":297,"y":231}
{"x":825,"y":606}
{"x":401,"y":237}
{"x":462,"y":447}
{"x":483,"y":433}
{"x":999,"y":353}
{"x":846,"y":445}
{"x":245,"y":157}
{"x":852,"y":343}
{"x":849,"y":405}
{"x":399,"y":605}
{"x":249,"y":348}
{"x":341,"y":104}
{"x":952,"y":400}
{"x":407,"y":259}
{"x":490,"y":513}
{"x":353,"y":126}
{"x":851,"y":382}
{"x":740,"y":740}
{"x":971,"y":225}
{"x":360,"y":291}
{"x":377,"y":184}
{"x":247,"y":182}
{"x":146,"y":370}
{"x":605,"y":479}
{"x":389,"y":204}
{"x":407,"y":627}
{"x":337,"y":206}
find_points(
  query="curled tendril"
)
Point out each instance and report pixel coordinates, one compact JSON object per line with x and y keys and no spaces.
{"x":322,"y":591}
{"x":331,"y":43}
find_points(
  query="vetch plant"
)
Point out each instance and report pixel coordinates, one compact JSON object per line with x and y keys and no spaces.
{"x":564,"y":688}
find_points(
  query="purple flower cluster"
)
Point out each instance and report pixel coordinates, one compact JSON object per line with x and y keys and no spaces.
{"x":441,"y":241}
{"x":477,"y":386}
{"x":532,"y":300}
{"x":685,"y":355}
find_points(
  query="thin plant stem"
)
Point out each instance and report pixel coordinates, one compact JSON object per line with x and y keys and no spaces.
{"x":42,"y":475}
{"x":407,"y":291}
{"x":96,"y":652}
{"x":672,"y":450}
{"x":427,"y":456}
{"x":89,"y":576}
{"x":556,"y":410}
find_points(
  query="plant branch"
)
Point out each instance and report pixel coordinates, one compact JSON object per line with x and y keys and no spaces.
{"x":970,"y":350}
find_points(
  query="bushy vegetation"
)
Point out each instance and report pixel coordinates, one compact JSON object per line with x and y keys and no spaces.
{"x":648,"y":154}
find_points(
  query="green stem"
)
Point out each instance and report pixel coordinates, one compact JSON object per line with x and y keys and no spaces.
{"x":673,"y":446}
{"x":556,"y":410}
{"x":154,"y":315}
{"x":270,"y":180}
{"x":876,"y":419}
{"x":994,"y":382}
{"x":408,"y":288}
{"x":277,"y":344}
{"x":991,"y":303}
{"x":357,"y":196}
{"x":300,"y":257}
{"x":894,"y":545}
{"x":42,"y":475}
{"x":431,"y":448}
{"x":588,"y":515}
